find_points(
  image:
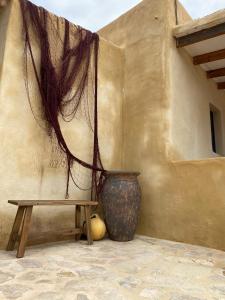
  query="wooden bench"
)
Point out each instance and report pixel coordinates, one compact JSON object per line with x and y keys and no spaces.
{"x":22,"y":221}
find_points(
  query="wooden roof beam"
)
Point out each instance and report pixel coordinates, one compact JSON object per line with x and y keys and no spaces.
{"x":216,"y":73}
{"x":209,"y":57}
{"x":221,"y":85}
{"x":201,"y":35}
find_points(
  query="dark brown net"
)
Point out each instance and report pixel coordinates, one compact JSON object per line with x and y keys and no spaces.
{"x":67,"y":78}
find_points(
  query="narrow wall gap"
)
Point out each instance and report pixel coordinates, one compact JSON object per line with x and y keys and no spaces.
{"x":216,"y":130}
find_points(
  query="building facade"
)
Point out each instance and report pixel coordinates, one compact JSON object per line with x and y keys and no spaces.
{"x":158,"y":112}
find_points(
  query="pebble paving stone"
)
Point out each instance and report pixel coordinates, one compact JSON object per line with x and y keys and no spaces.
{"x":144,"y":268}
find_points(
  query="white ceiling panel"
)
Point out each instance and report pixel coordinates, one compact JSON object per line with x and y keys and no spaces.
{"x":207,"y":46}
{"x":214,"y":65}
{"x":219,"y":79}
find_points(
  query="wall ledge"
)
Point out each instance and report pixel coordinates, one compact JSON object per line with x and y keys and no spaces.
{"x":199,"y":161}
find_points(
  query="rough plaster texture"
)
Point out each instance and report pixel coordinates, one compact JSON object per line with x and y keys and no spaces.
{"x":191,"y":94}
{"x":182,"y":15}
{"x":28,"y":170}
{"x":181,"y":201}
{"x":191,"y":112}
{"x":145,"y":268}
{"x":4,"y":17}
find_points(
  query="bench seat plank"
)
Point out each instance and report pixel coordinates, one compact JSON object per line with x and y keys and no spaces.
{"x":52,"y":202}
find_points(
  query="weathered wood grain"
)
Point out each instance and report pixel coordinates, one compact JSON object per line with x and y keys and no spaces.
{"x":22,"y":222}
{"x":15,"y":229}
{"x":201,"y":35}
{"x":208,"y":57}
{"x":53,"y":236}
{"x":24,"y":231}
{"x":52,"y":202}
{"x":216,"y":73}
{"x":88,"y":224}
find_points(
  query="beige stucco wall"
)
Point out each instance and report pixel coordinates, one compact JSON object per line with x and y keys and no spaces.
{"x":198,"y":175}
{"x":190,"y":128}
{"x":143,"y":32}
{"x":26,"y":170}
{"x":182,"y":15}
{"x":4,"y":17}
{"x":191,"y":94}
{"x":198,"y":204}
{"x":181,"y":201}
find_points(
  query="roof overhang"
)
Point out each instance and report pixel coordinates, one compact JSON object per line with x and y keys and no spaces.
{"x":204,"y":40}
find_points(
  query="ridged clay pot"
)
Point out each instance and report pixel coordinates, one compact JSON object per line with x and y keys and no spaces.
{"x":121,"y":199}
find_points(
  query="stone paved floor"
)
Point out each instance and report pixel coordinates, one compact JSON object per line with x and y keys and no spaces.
{"x":145,"y":268}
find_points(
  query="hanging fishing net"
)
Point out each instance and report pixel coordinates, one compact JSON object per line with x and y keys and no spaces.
{"x":66,"y":73}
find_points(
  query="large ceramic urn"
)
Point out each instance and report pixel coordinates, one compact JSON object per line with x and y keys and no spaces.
{"x":121,"y":198}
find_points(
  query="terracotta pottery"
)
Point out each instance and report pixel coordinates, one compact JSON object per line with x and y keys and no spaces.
{"x":121,"y":197}
{"x":98,"y":228}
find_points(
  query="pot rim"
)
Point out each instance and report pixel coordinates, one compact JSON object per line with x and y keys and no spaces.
{"x":120,"y":172}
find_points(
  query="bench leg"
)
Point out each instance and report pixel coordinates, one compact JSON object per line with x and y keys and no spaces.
{"x":15,"y":229}
{"x":88,"y":224}
{"x":24,"y":232}
{"x":77,"y":221}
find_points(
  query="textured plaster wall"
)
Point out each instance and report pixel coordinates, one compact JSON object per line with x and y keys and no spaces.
{"x":4,"y":17}
{"x":191,"y":94}
{"x":30,"y":169}
{"x":182,"y":14}
{"x":199,"y":182}
{"x":143,"y":32}
{"x":181,"y":201}
{"x":191,"y":112}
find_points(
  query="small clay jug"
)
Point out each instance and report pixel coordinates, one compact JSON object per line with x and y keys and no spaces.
{"x":98,"y":228}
